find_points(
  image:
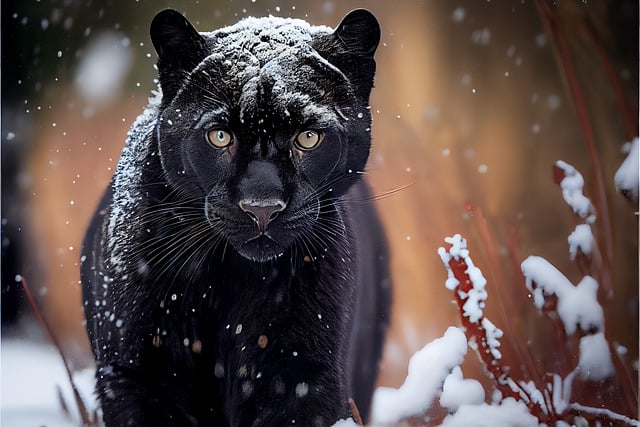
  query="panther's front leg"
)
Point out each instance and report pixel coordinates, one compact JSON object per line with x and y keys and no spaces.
{"x":131,"y":397}
{"x":277,"y":387}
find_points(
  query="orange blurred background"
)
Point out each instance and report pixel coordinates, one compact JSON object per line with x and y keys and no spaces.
{"x":471,"y":109}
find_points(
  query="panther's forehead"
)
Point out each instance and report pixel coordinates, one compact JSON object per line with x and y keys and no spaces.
{"x":264,"y":38}
{"x":268,"y":64}
{"x":273,"y":51}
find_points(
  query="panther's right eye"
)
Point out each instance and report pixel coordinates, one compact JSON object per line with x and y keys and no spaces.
{"x":308,"y":139}
{"x":219,"y":138}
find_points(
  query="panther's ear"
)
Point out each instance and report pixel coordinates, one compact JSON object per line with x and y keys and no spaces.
{"x":359,"y":31}
{"x":351,"y":47}
{"x":180,"y":49}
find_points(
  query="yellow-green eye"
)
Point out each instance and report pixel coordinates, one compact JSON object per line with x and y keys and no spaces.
{"x":219,"y":138}
{"x":309,"y":139}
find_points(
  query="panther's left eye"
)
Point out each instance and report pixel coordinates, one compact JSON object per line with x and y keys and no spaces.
{"x":308,"y":139}
{"x":219,"y":138}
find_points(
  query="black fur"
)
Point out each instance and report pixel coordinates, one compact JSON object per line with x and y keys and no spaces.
{"x":246,"y":285}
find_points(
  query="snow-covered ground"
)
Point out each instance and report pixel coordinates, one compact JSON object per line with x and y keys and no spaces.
{"x":31,"y":373}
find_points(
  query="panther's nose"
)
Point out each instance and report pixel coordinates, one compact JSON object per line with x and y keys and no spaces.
{"x":262,"y":212}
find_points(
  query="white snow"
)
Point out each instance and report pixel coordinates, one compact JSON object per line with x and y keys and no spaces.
{"x":595,"y":358}
{"x":31,"y":373}
{"x":474,"y":300}
{"x":477,"y":295}
{"x":626,"y":177}
{"x":572,"y":185}
{"x":276,"y":29}
{"x":428,"y":369}
{"x":492,"y":335}
{"x":577,"y":305}
{"x":561,"y":390}
{"x":345,"y":423}
{"x":458,"y":391}
{"x":581,"y":239}
{"x":532,"y":394}
{"x":509,"y":413}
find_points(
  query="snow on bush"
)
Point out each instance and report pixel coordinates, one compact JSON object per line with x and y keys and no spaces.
{"x":428,"y":369}
{"x":345,"y":423}
{"x":509,"y":413}
{"x":523,"y":402}
{"x":475,"y":294}
{"x":471,"y":296}
{"x":626,"y":177}
{"x":435,"y":370}
{"x":571,"y":182}
{"x":577,"y":305}
{"x":581,"y":240}
{"x":458,"y":391}
{"x":595,"y":360}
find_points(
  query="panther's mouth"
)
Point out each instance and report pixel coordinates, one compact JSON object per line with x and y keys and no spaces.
{"x":260,"y":248}
{"x":260,"y":235}
{"x":247,"y":239}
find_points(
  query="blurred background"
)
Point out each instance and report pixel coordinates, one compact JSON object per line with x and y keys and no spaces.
{"x":474,"y":102}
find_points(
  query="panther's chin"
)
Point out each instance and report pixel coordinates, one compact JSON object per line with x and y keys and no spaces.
{"x":261,"y":248}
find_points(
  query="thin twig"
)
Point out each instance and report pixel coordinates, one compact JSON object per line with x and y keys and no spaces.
{"x":84,"y":415}
{"x":355,"y":412}
{"x":603,"y":414}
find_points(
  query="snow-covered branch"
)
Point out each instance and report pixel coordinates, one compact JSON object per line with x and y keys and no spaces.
{"x":572,"y":183}
{"x":576,"y":305}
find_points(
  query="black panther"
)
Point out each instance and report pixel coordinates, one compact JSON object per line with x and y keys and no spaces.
{"x":236,"y":272}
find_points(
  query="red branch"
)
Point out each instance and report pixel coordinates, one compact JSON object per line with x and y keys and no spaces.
{"x":475,"y":331}
{"x":593,"y":265}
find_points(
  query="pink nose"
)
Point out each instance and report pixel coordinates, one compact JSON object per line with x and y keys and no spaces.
{"x":262,"y":212}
